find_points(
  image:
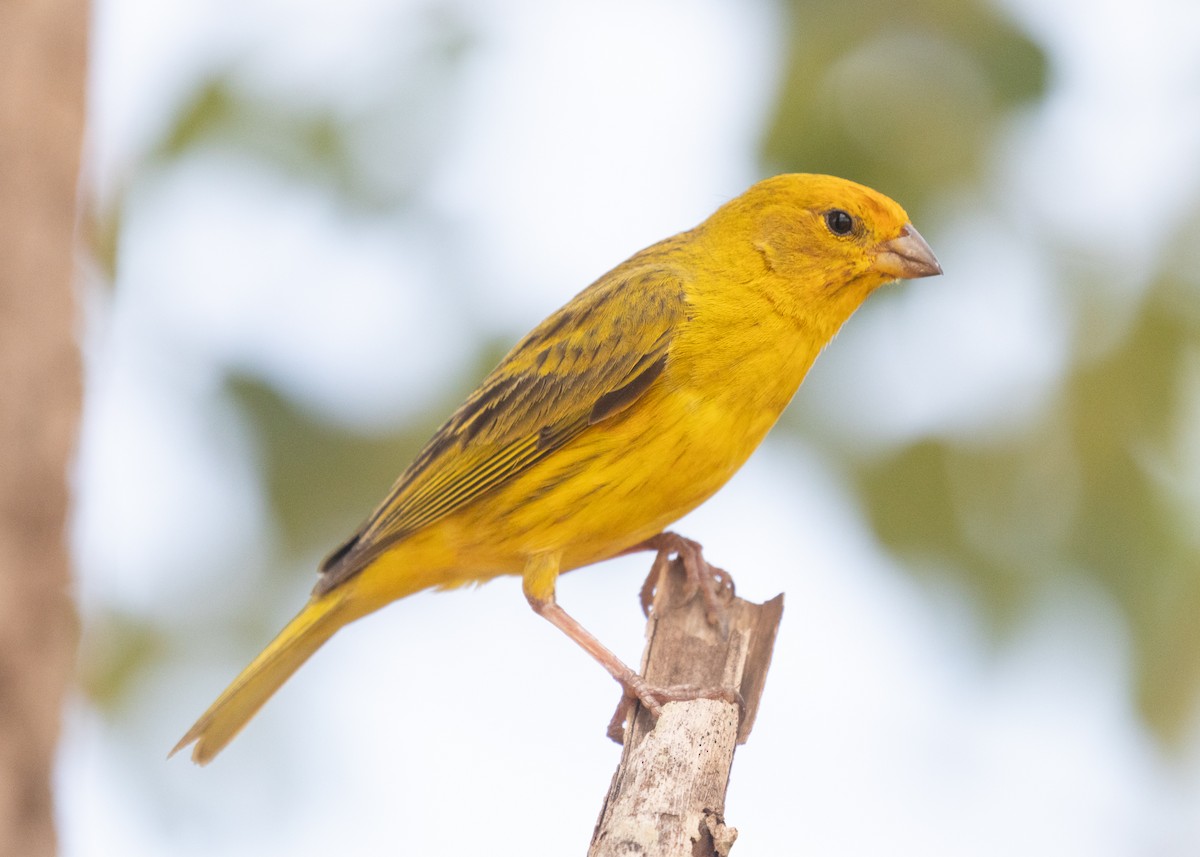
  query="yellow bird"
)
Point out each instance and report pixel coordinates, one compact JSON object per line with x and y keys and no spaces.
{"x":615,"y":416}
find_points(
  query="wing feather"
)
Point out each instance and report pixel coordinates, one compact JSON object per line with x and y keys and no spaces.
{"x":585,"y":363}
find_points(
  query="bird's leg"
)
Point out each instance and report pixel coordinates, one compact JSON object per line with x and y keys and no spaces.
{"x":634,"y":685}
{"x":715,"y":584}
{"x":540,"y":574}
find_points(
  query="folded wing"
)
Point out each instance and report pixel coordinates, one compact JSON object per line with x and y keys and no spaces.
{"x":584,"y":364}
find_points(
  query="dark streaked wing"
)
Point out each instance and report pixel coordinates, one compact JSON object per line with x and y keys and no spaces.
{"x":585,"y":363}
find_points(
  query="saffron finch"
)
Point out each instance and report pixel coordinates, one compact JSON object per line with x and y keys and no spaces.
{"x":614,"y":417}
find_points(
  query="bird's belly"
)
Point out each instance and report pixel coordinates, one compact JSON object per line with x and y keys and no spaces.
{"x":622,"y":482}
{"x":617,"y":484}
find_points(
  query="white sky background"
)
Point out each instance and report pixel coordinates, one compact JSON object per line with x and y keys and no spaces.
{"x":459,"y":723}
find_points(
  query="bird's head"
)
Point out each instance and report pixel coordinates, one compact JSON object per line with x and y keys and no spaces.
{"x":821,"y":238}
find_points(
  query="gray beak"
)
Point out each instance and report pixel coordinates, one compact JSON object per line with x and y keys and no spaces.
{"x":907,"y":257}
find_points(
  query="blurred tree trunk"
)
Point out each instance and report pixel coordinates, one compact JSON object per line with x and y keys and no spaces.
{"x":42,"y":66}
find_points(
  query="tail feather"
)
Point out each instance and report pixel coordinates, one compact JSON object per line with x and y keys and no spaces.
{"x":315,"y":624}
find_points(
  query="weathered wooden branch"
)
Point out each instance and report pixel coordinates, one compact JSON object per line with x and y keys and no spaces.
{"x":667,"y":798}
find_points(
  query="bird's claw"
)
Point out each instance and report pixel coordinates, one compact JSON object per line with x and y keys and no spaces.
{"x":714,"y":584}
{"x":653,"y":698}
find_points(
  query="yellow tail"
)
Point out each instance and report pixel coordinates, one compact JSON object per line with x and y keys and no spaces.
{"x":315,"y":624}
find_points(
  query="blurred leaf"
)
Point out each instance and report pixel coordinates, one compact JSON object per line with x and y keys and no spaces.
{"x":1081,"y":493}
{"x":310,"y":144}
{"x":373,"y":155}
{"x":322,"y":479}
{"x":102,"y":235}
{"x":1122,"y":409}
{"x":905,"y":98}
{"x":936,"y":505}
{"x":1125,"y":410}
{"x":117,"y":651}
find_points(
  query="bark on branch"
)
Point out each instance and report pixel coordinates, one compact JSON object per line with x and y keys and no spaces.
{"x":667,"y":797}
{"x":42,"y":48}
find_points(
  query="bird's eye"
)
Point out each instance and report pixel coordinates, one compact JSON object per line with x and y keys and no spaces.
{"x":839,"y":222}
